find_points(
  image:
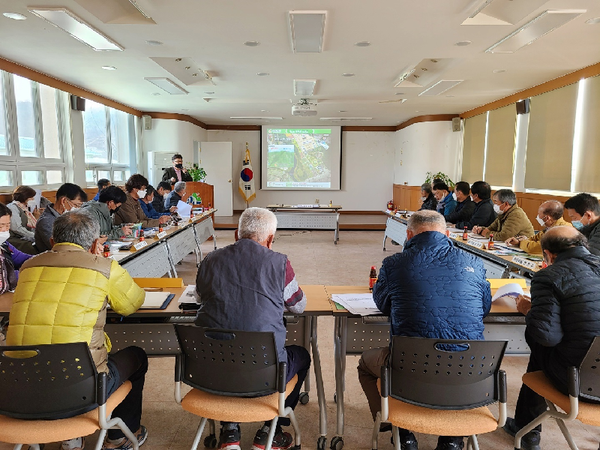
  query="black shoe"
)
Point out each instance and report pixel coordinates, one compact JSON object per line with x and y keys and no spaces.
{"x":531,"y":441}
{"x":229,"y":439}
{"x":409,"y":442}
{"x":450,"y":443}
{"x":510,"y":426}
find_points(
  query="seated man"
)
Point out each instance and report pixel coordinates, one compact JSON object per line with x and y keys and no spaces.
{"x":464,"y":206}
{"x":103,"y":183}
{"x":69,"y":197}
{"x":511,"y":221}
{"x":584,"y":211}
{"x":101,"y":211}
{"x":247,"y":286}
{"x":175,"y":196}
{"x":162,"y":190}
{"x":562,"y":316}
{"x":445,"y":201}
{"x":449,"y":305}
{"x":484,"y":214}
{"x":131,"y":211}
{"x":550,"y":214}
{"x":147,"y":202}
{"x":69,"y":288}
{"x":427,"y":197}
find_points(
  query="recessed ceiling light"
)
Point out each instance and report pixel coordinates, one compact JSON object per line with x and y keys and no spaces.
{"x":363,"y":44}
{"x":498,"y":70}
{"x":463,"y":43}
{"x":151,"y":42}
{"x":109,"y":67}
{"x":156,"y":93}
{"x":209,"y":92}
{"x":251,"y":43}
{"x":263,"y":74}
{"x":264,"y":110}
{"x":347,"y":74}
{"x":399,"y":93}
{"x":342,"y":110}
{"x":593,"y":21}
{"x":14,"y":16}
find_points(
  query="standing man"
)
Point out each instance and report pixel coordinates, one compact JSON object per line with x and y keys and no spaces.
{"x":484,"y":214}
{"x":69,"y":288}
{"x":584,"y":211}
{"x":464,"y":206}
{"x":562,"y":316}
{"x":550,"y":214}
{"x":448,"y":305}
{"x":247,"y":286}
{"x":511,"y":221}
{"x":177,"y":172}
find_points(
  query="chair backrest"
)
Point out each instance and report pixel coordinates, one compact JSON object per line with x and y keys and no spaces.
{"x":228,"y":362}
{"x":589,"y":372}
{"x":47,"y":381}
{"x":445,"y":374}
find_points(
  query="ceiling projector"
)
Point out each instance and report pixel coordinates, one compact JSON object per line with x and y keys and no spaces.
{"x":304,"y":108}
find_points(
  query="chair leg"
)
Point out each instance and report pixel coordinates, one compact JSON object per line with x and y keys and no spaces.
{"x":100,"y":440}
{"x":530,"y":426}
{"x":272,"y":430}
{"x":199,"y":433}
{"x":566,"y":434}
{"x":396,"y":434}
{"x":18,"y":447}
{"x":376,"y":426}
{"x":472,"y":442}
{"x":298,"y":436}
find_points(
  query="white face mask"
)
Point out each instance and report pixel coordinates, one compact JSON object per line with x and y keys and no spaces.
{"x":31,"y":204}
{"x":454,"y":196}
{"x":540,"y":221}
{"x":497,"y":209}
{"x":141,"y":193}
{"x":4,"y":235}
{"x":423,"y":199}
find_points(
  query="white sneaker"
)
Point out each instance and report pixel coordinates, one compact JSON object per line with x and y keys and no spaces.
{"x":73,"y":444}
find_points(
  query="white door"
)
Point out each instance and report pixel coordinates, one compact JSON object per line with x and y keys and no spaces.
{"x":217,"y":160}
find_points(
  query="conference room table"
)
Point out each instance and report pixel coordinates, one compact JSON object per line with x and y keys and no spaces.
{"x":355,"y":334}
{"x":521,"y":265}
{"x":308,"y":217}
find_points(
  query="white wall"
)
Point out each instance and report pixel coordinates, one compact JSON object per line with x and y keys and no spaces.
{"x":426,"y":147}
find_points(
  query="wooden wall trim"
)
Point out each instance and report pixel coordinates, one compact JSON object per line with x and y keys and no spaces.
{"x":234,"y":127}
{"x":34,"y":75}
{"x":176,"y":116}
{"x":370,"y":128}
{"x":427,"y":118}
{"x":565,"y":80}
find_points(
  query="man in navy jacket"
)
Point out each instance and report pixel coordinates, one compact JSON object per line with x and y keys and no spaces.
{"x":432,"y":289}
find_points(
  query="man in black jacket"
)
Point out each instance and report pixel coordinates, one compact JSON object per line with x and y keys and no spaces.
{"x":584,"y":211}
{"x":563,"y":317}
{"x":484,"y":214}
{"x":427,"y":197}
{"x":177,"y":172}
{"x":465,"y":206}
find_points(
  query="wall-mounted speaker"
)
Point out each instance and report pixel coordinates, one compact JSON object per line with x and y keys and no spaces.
{"x":456,"y":124}
{"x":147,"y":122}
{"x":77,"y":103}
{"x":523,"y":106}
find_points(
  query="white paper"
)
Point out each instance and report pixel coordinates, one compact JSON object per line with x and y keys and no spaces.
{"x":508,"y":290}
{"x":154,"y":300}
{"x":37,"y":199}
{"x":183,"y":209}
{"x":189,"y":295}
{"x":359,"y":304}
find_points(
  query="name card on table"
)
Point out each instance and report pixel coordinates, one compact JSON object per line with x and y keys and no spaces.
{"x":161,"y":235}
{"x":533,"y":265}
{"x":140,"y":245}
{"x":477,"y":243}
{"x":456,"y":236}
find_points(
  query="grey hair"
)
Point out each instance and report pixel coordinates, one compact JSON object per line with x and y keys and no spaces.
{"x":257,"y":224}
{"x":76,"y":227}
{"x":506,"y":195}
{"x":426,"y":221}
{"x":179,"y":186}
{"x":426,"y":187}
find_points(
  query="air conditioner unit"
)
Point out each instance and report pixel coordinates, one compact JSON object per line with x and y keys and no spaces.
{"x":304,"y":109}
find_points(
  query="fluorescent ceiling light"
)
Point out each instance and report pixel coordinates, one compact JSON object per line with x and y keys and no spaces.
{"x":303,"y":88}
{"x":534,"y":29}
{"x":14,"y":16}
{"x":166,"y":85}
{"x":77,"y":28}
{"x":307,"y":29}
{"x":256,"y":118}
{"x":346,"y":118}
{"x":440,"y":87}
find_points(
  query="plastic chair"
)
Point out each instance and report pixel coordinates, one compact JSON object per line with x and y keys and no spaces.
{"x":235,"y":377}
{"x":583,"y":383}
{"x":442,"y":387}
{"x":52,"y":393}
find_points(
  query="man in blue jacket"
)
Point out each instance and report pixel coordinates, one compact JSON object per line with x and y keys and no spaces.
{"x":432,"y":289}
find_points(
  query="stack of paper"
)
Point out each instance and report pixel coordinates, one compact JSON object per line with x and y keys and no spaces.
{"x":512,"y":290}
{"x":155,"y":300}
{"x":189,"y":295}
{"x":359,"y":304}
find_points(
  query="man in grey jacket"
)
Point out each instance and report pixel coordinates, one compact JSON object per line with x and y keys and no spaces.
{"x":109,"y":201}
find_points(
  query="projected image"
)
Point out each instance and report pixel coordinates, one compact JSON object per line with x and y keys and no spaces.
{"x":299,"y":158}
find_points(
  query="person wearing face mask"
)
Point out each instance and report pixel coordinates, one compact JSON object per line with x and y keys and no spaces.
{"x":177,"y":172}
{"x":23,"y":221}
{"x":511,"y":221}
{"x":446,"y":202}
{"x":464,"y":206}
{"x":147,"y":202}
{"x":162,"y":190}
{"x":483,"y":214}
{"x":131,"y":211}
{"x":584,"y":212}
{"x":427,"y":197}
{"x":69,"y":197}
{"x":562,"y":317}
{"x":176,"y":195}
{"x":550,"y":214}
{"x":12,"y":258}
{"x":109,"y":201}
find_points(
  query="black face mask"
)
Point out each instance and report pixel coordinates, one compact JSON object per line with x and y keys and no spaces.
{"x":179,"y":166}
{"x":115,"y":210}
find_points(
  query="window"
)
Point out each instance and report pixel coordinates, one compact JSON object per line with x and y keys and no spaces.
{"x":120,"y":136}
{"x":54,"y":177}
{"x":25,"y":117}
{"x":50,"y":121}
{"x":3,"y":137}
{"x":95,"y":133}
{"x":32,"y":177}
{"x":6,"y":178}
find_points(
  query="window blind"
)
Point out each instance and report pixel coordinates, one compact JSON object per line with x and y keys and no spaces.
{"x":473,"y":148}
{"x":500,"y":145}
{"x":587,"y":164}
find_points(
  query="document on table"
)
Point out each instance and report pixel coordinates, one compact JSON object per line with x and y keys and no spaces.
{"x":359,"y":304}
{"x":184,"y":209}
{"x":512,"y":290}
{"x":157,"y":300}
{"x":189,"y":295}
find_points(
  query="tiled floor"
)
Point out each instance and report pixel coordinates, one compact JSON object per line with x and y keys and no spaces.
{"x":317,"y":260}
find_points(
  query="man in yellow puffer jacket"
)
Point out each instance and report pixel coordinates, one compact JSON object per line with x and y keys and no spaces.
{"x":62,"y":296}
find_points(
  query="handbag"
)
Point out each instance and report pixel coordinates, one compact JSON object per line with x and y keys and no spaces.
{"x":8,"y":276}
